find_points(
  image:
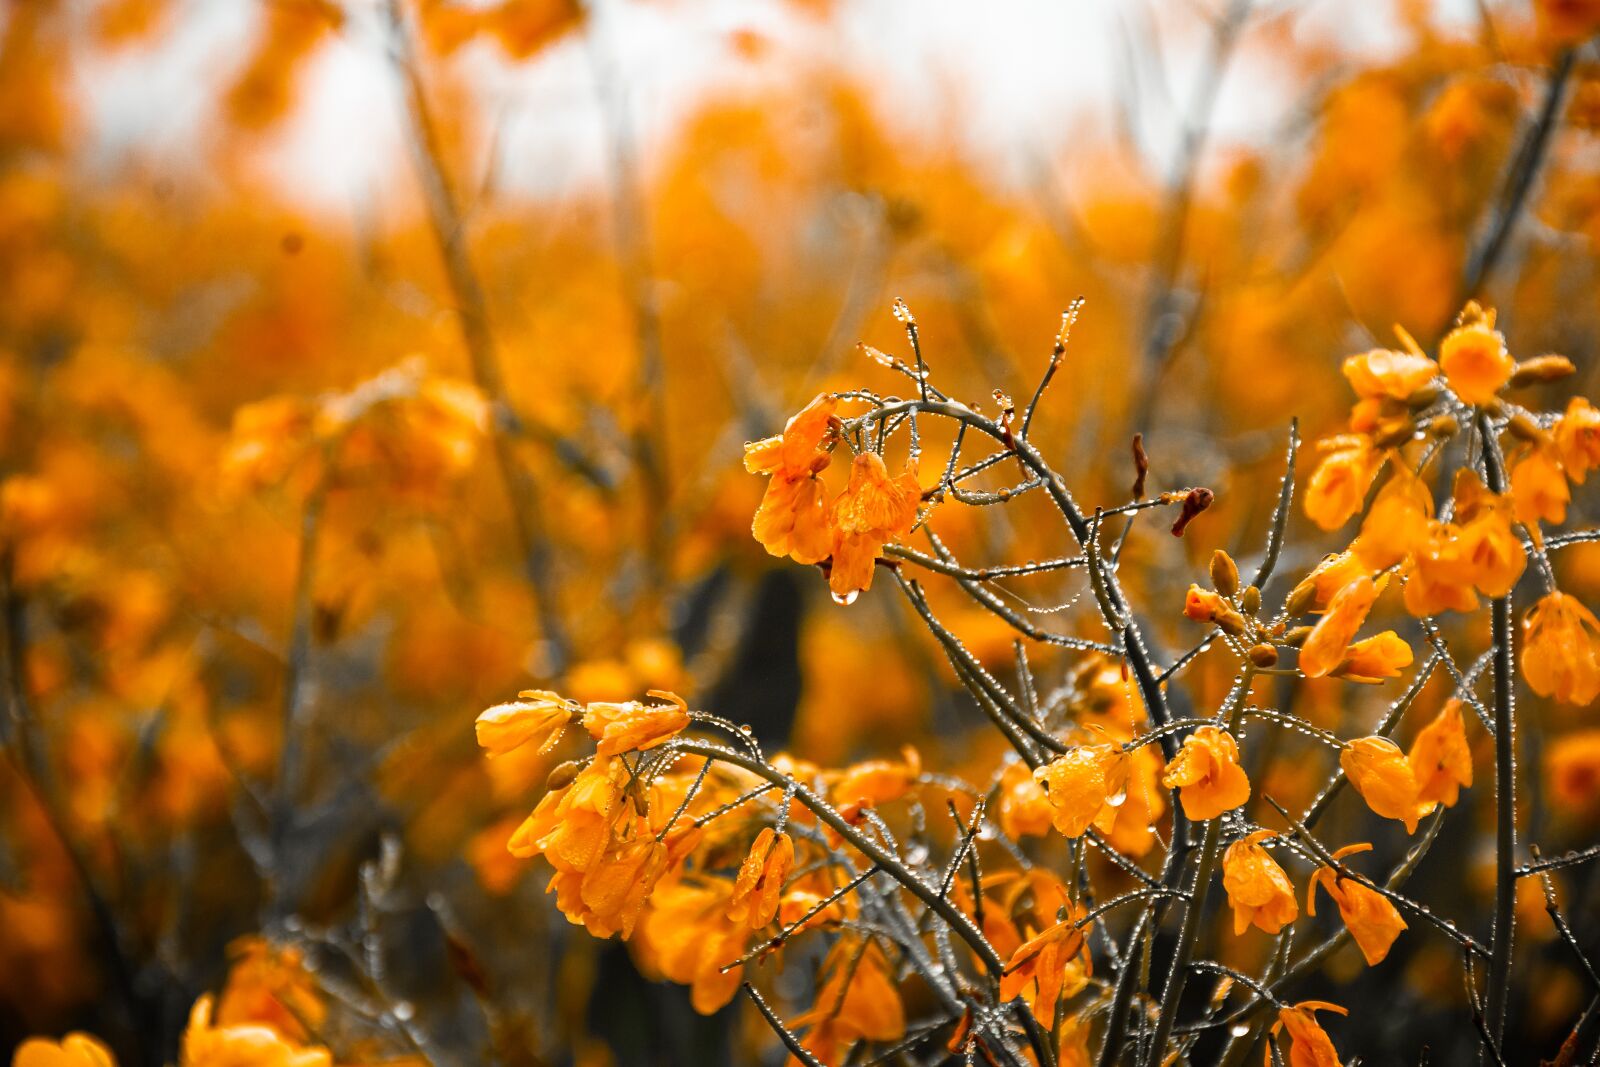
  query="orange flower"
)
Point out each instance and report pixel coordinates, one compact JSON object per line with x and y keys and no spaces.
{"x":1376,"y":658}
{"x":1383,"y":372}
{"x":757,"y":889}
{"x":1539,"y":488}
{"x":1054,"y":962}
{"x":1325,"y":647}
{"x":1382,"y":775}
{"x":1025,"y":809}
{"x":1369,"y":916}
{"x":878,"y":782}
{"x":1572,"y":764}
{"x":1331,"y":575}
{"x":1397,"y":524}
{"x":205,"y":1045}
{"x":1561,"y":657}
{"x":872,"y":510}
{"x":1474,"y":359}
{"x":571,"y":827}
{"x":684,"y":936}
{"x":1202,"y":605}
{"x":1310,"y":1045}
{"x":1440,"y":758}
{"x":1082,"y":781}
{"x":1577,"y":439}
{"x":856,"y":1003}
{"x":74,"y":1050}
{"x":632,"y":726}
{"x":1258,"y":889}
{"x":1440,"y":576}
{"x":1339,"y":484}
{"x":1207,"y":774}
{"x":537,"y":715}
{"x":792,"y":517}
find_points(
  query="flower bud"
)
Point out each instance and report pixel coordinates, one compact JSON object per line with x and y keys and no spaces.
{"x":1541,"y":369}
{"x":1424,"y":396}
{"x":1444,"y":426}
{"x":1263,"y":655}
{"x":1525,"y":429}
{"x":1394,"y":433}
{"x":1250,"y":600}
{"x":1224,"y":573}
{"x":1300,"y":601}
{"x":1231,"y":623}
{"x":562,"y":775}
{"x":1297,"y":636}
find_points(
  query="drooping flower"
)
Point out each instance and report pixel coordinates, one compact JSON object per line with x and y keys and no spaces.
{"x":1258,"y":889}
{"x":1080,"y":782}
{"x":1325,"y":647}
{"x":1380,"y":772}
{"x":759,"y":885}
{"x":1369,"y":915}
{"x":1439,"y":577}
{"x":1561,"y":654}
{"x":1577,"y":439}
{"x":1207,"y":774}
{"x":1052,"y":962}
{"x":1539,"y":488}
{"x":1375,"y":658}
{"x":1339,"y":484}
{"x":873,"y":510}
{"x":855,"y":1003}
{"x":1309,"y":1044}
{"x":878,"y":782}
{"x":74,"y":1050}
{"x":1441,"y":759}
{"x":1474,"y":359}
{"x":792,"y":517}
{"x":536,"y":716}
{"x":634,"y":726}
{"x":685,"y":936}
{"x":1331,"y":575}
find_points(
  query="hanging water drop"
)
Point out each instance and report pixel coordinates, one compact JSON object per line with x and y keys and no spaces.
{"x":1239,"y":1029}
{"x":846,"y":598}
{"x":1117,"y":799}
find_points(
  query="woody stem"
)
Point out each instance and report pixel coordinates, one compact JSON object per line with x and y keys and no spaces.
{"x":888,"y":861}
{"x":1194,"y":911}
{"x":1505,"y":793}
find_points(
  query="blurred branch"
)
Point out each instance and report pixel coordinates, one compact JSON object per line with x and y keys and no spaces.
{"x":472,"y":309}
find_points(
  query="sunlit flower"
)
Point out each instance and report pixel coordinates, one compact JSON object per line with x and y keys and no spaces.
{"x":1561,"y":654}
{"x":632,"y":726}
{"x":1380,"y":772}
{"x":1207,"y":774}
{"x":1384,"y":372}
{"x":1441,"y":759}
{"x":1474,"y":359}
{"x":873,"y":510}
{"x":1325,"y":647}
{"x":1081,"y":781}
{"x":537,"y":716}
{"x":1309,"y":1045}
{"x":759,"y":885}
{"x":878,"y":782}
{"x":74,"y":1050}
{"x":1369,"y":915}
{"x":1259,"y":891}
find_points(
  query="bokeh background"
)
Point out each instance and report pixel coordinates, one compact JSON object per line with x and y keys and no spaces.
{"x":540,"y":268}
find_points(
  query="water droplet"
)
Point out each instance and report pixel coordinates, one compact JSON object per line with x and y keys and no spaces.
{"x":1116,"y":800}
{"x":1239,"y":1029}
{"x":404,"y":1011}
{"x":745,"y":728}
{"x":846,"y":598}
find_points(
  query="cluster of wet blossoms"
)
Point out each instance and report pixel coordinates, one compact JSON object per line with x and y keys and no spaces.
{"x":1011,"y":912}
